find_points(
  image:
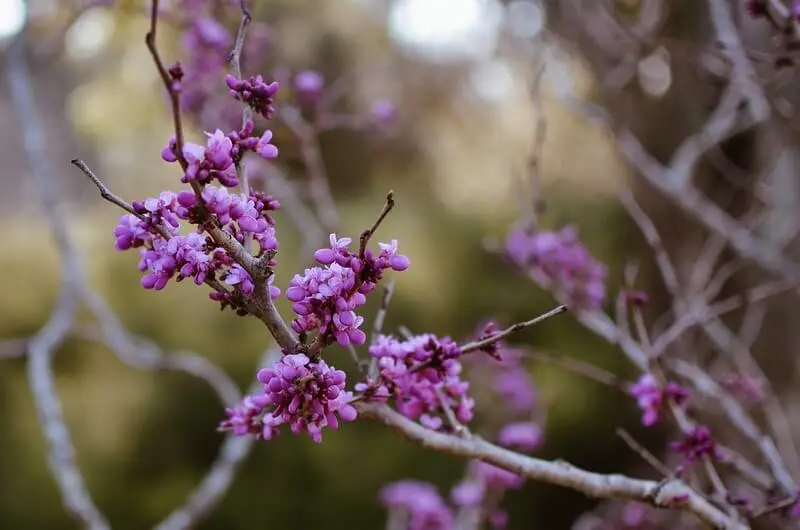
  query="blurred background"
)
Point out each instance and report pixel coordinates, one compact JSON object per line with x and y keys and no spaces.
{"x":459,"y":74}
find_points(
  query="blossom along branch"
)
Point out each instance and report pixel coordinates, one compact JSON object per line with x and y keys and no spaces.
{"x":43,"y":346}
{"x":415,"y":383}
{"x":713,"y":327}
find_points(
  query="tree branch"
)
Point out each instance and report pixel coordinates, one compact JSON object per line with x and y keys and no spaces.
{"x":669,"y":493}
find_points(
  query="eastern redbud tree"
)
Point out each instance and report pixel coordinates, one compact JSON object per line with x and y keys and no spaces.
{"x":217,"y":230}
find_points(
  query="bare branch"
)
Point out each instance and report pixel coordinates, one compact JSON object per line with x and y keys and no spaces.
{"x":219,"y":478}
{"x":235,"y":61}
{"x":743,"y":73}
{"x":480,"y":344}
{"x":43,"y":346}
{"x":318,"y":185}
{"x":734,"y":411}
{"x":668,"y":493}
{"x":671,"y":182}
{"x":367,"y":234}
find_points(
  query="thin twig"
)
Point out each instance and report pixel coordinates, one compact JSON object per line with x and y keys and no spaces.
{"x":367,"y":234}
{"x":646,"y":455}
{"x":500,"y":335}
{"x":377,"y":327}
{"x":572,"y":365}
{"x":318,"y":185}
{"x":235,"y":61}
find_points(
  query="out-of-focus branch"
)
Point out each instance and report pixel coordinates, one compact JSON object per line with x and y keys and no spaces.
{"x":318,"y":185}
{"x":673,"y":181}
{"x":716,"y":330}
{"x":43,"y":346}
{"x":667,"y":493}
{"x":743,"y":73}
{"x":734,"y":411}
{"x":219,"y":478}
{"x":136,"y":353}
{"x":276,"y":183}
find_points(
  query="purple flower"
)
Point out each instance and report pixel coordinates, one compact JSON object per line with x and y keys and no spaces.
{"x":425,"y":507}
{"x":303,"y":394}
{"x":264,"y":148}
{"x":309,"y":86}
{"x":246,"y":418}
{"x":131,"y":232}
{"x":561,"y":261}
{"x":216,"y":160}
{"x":496,"y":477}
{"x":696,"y":444}
{"x":650,"y":397}
{"x":325,"y":298}
{"x":423,"y":375}
{"x":467,"y":493}
{"x":525,"y":436}
{"x":218,"y":150}
{"x":239,"y":277}
{"x":254,"y":92}
{"x":382,"y":111}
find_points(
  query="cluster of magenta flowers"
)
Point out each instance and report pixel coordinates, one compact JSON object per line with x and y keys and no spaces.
{"x":304,"y":392}
{"x":307,"y":395}
{"x":423,"y":376}
{"x":218,"y":158}
{"x":325,"y":298}
{"x":652,"y":397}
{"x":255,"y":93}
{"x":166,"y":253}
{"x":696,"y":444}
{"x":560,"y":260}
{"x":423,"y":507}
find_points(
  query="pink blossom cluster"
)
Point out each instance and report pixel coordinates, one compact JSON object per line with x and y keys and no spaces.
{"x":423,"y":376}
{"x":255,"y":93}
{"x":651,"y":397}
{"x":425,"y":508}
{"x":562,"y":261}
{"x":218,"y":158}
{"x":165,"y":253}
{"x":508,"y":379}
{"x":207,"y":44}
{"x":696,"y":444}
{"x":325,"y":298}
{"x":485,"y":481}
{"x":307,"y":395}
